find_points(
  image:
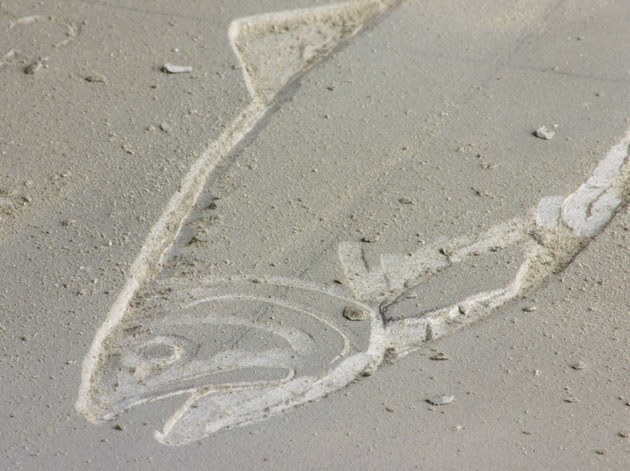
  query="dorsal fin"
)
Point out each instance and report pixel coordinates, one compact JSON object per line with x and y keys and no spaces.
{"x":275,"y":47}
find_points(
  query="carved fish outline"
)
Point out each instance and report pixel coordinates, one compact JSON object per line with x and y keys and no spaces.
{"x":551,"y":237}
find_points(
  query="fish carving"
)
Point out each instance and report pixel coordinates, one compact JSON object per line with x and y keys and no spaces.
{"x":240,"y":349}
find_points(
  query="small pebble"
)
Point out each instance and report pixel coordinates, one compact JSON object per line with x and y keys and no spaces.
{"x":94,"y":79}
{"x":544,"y":133}
{"x":368,"y":371}
{"x":353,"y":313}
{"x":32,"y":68}
{"x":479,"y":192}
{"x":405,"y":201}
{"x":176,"y":69}
{"x":166,"y":127}
{"x":439,"y":357}
{"x":370,"y":239}
{"x":600,"y":452}
{"x":580,"y":365}
{"x":440,"y":400}
{"x":529,"y":309}
{"x":389,"y":409}
{"x":119,"y":427}
{"x":624,"y":433}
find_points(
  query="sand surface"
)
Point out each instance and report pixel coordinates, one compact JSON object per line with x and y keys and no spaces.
{"x":407,"y":135}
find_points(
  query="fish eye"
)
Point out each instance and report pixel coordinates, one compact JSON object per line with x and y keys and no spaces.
{"x":157,"y":351}
{"x":162,"y":350}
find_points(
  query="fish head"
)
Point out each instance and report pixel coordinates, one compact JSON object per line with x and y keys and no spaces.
{"x":240,"y":349}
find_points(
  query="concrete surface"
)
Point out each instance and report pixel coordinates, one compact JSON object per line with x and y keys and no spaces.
{"x":419,"y":128}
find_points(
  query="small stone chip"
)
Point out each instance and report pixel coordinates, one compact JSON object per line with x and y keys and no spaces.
{"x":166,"y":127}
{"x":176,"y":69}
{"x":94,"y":79}
{"x":580,"y":365}
{"x":405,"y":201}
{"x":439,"y":357}
{"x":624,"y":433}
{"x":368,"y":371}
{"x":544,"y":133}
{"x":529,"y":308}
{"x":33,"y":67}
{"x":369,"y":239}
{"x":119,"y":427}
{"x":353,"y":313}
{"x":440,"y":400}
{"x":600,"y":451}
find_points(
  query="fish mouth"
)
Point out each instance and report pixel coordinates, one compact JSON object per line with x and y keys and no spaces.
{"x":206,"y":383}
